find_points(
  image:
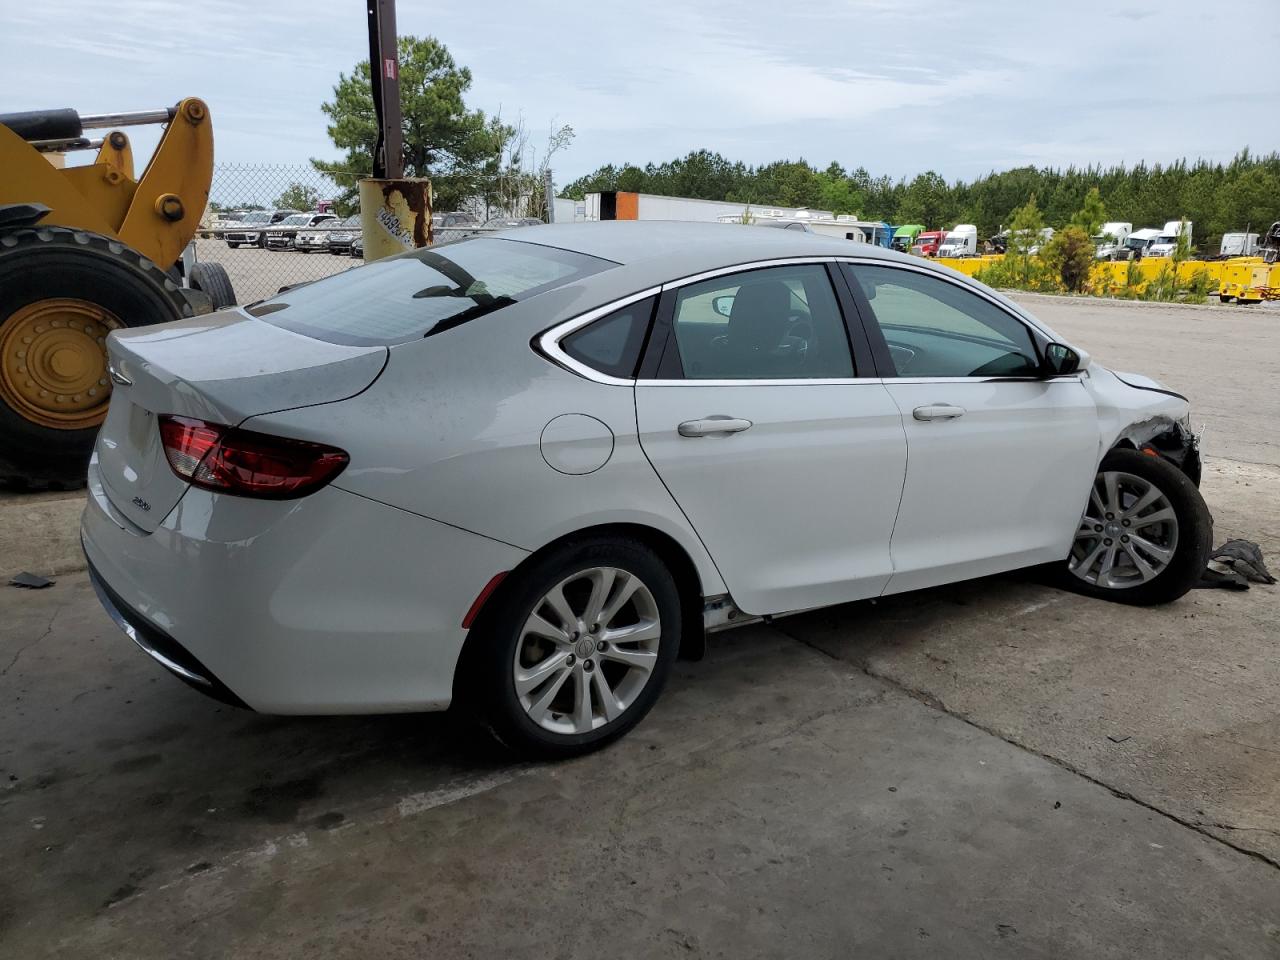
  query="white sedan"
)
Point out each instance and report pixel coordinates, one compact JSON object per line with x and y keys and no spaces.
{"x":524,"y":471}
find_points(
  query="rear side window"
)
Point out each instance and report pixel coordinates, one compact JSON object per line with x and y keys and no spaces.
{"x":613,"y":343}
{"x":424,"y":292}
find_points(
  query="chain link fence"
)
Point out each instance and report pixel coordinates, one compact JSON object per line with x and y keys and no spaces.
{"x":274,"y":226}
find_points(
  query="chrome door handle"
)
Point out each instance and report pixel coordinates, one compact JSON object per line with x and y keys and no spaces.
{"x":938,"y":411}
{"x":712,"y":426}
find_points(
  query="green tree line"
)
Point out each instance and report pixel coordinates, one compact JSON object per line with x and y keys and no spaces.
{"x":1215,"y":197}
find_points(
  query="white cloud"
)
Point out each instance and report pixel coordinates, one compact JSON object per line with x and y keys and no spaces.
{"x":895,"y":87}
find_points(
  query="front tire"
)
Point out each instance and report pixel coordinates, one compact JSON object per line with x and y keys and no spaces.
{"x":1145,"y":535}
{"x":575,"y":649}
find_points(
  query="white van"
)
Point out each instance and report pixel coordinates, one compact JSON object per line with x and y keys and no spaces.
{"x":1110,"y":239}
{"x":1167,"y":241}
{"x":960,"y":242}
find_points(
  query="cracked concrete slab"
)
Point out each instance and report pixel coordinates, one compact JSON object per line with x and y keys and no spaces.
{"x":1176,"y":705}
{"x":777,"y":803}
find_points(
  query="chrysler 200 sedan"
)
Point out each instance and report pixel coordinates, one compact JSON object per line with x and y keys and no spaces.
{"x":522,"y":472}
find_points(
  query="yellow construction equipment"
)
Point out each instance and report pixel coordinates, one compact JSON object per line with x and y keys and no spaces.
{"x":85,"y":250}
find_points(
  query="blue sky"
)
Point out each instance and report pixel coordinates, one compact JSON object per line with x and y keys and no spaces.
{"x":894,"y":86}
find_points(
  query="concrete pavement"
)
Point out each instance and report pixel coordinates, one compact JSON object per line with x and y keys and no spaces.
{"x":992,"y":769}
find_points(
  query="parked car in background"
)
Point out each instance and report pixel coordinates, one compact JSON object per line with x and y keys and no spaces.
{"x":927,"y":243}
{"x":455,"y":219}
{"x":344,"y":234}
{"x":317,"y":238}
{"x":251,"y":228}
{"x":1166,"y":242}
{"x":1109,"y":240}
{"x":508,"y":223}
{"x":960,"y":242}
{"x":357,"y":246}
{"x":282,"y":235}
{"x":630,"y":433}
{"x":1238,"y":245}
{"x":224,"y":221}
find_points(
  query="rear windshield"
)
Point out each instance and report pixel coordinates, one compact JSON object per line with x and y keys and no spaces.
{"x":424,"y":292}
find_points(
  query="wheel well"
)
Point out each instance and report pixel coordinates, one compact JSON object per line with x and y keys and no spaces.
{"x":677,"y":560}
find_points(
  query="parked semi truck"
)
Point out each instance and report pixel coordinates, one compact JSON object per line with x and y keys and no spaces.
{"x":1166,"y":242}
{"x":1110,"y":240}
{"x":960,"y":242}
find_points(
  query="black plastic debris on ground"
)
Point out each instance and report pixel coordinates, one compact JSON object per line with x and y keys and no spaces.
{"x":1235,"y":565}
{"x":30,"y":581}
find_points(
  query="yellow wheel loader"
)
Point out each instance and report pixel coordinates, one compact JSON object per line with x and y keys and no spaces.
{"x":86,"y":250}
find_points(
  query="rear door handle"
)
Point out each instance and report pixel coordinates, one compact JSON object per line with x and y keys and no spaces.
{"x":938,"y":411}
{"x":712,"y":426}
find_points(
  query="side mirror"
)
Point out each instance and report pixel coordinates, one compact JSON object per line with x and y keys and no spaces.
{"x":1059,"y":360}
{"x":723,"y":304}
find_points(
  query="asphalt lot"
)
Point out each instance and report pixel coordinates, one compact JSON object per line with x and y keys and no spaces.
{"x":990,"y":769}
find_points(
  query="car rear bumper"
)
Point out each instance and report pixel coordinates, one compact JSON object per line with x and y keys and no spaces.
{"x":311,"y":244}
{"x":329,"y":604}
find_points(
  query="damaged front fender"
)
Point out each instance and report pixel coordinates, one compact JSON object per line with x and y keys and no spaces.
{"x":1137,"y":412}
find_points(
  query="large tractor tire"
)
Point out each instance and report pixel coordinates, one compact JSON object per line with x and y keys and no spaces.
{"x":61,"y":292}
{"x":212,"y":278}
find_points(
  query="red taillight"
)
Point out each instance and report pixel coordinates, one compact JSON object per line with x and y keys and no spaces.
{"x":247,"y":464}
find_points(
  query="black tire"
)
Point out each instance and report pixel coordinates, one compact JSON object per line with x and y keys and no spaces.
{"x":1224,"y":298}
{"x":49,"y":262}
{"x":262,"y":243}
{"x":233,"y":246}
{"x":1194,"y":541}
{"x":486,"y":678}
{"x":213,"y":279}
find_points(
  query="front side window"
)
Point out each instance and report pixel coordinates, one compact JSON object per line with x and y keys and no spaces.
{"x":779,"y":323}
{"x":424,"y":292}
{"x":935,"y":328}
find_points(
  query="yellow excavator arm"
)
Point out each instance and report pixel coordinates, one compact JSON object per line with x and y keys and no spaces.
{"x":156,"y":215}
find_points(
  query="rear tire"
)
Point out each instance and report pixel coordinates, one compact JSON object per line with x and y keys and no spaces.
{"x":1155,"y":527}
{"x":619,"y":661}
{"x":57,"y":263}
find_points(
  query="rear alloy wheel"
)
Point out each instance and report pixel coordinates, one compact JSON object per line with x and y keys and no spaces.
{"x":1145,"y":534}
{"x":579,"y":647}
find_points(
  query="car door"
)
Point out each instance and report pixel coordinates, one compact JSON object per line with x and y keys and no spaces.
{"x":787,"y":458}
{"x":1000,"y":458}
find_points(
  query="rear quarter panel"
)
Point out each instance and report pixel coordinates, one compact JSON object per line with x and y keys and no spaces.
{"x":451,"y":431}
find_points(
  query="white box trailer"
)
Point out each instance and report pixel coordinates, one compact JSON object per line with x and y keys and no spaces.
{"x":623,"y":205}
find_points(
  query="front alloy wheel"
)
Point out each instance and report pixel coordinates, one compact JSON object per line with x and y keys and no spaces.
{"x":1128,"y":534}
{"x":1145,"y":534}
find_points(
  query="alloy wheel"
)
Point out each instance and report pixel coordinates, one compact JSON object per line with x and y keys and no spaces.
{"x":1128,"y":534}
{"x":587,"y":650}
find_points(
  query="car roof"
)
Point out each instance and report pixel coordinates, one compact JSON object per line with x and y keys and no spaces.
{"x":687,"y":247}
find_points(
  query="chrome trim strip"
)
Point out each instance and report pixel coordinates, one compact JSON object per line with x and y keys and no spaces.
{"x":127,"y":628}
{"x":692,"y":382}
{"x":743,"y":267}
{"x":893,"y":380}
{"x":549,"y":340}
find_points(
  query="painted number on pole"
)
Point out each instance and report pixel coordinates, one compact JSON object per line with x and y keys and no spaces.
{"x":389,"y":68}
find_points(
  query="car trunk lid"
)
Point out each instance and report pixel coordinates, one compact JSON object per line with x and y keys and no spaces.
{"x":222,"y":368}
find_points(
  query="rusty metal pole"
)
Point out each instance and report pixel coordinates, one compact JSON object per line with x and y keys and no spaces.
{"x":395,"y":212}
{"x":384,"y":72}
